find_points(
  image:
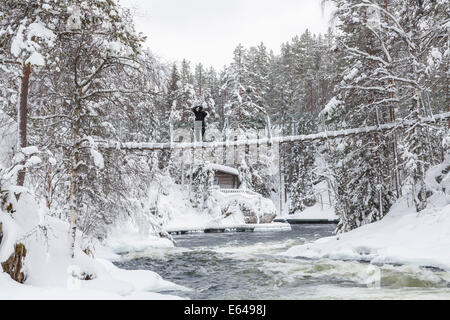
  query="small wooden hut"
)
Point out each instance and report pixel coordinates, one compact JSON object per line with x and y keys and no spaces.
{"x":225,"y":177}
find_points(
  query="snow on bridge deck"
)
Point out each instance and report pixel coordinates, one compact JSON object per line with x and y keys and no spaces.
{"x":400,"y":124}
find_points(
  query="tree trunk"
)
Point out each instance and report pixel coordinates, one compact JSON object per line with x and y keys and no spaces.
{"x":73,"y":184}
{"x":392,"y":119}
{"x":48,"y":187}
{"x":22,"y":118}
{"x":48,"y":178}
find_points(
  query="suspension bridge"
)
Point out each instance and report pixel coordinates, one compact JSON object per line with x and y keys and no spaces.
{"x":269,"y":140}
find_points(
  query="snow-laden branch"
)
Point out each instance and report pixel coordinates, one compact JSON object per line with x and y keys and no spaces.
{"x":386,"y":52}
{"x":357,"y":52}
{"x":397,"y":27}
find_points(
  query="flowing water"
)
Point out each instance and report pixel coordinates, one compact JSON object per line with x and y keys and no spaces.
{"x":251,"y":266}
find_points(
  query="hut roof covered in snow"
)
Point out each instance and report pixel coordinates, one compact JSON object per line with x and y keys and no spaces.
{"x":225,"y":177}
{"x":225,"y":169}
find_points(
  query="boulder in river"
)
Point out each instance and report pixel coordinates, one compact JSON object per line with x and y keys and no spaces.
{"x":251,"y":209}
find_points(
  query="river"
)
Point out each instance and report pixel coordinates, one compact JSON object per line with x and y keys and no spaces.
{"x":250,"y":265}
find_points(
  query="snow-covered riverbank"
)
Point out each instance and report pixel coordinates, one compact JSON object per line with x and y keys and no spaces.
{"x":222,"y":210}
{"x":49,"y":271}
{"x":316,"y":212}
{"x":403,"y":237}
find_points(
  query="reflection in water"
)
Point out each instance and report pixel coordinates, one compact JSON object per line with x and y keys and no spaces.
{"x":248,"y":266}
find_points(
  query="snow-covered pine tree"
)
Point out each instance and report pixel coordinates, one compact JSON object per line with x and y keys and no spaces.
{"x":241,"y":107}
{"x":172,"y":109}
{"x":422,"y":38}
{"x":188,"y":94}
{"x":26,"y":37}
{"x":362,"y":99}
{"x":258,"y":62}
{"x":204,"y":91}
{"x":301,"y":187}
{"x":213,"y":85}
{"x":101,"y":45}
{"x":202,"y":184}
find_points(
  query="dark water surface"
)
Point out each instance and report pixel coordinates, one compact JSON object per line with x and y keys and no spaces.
{"x":250,"y":265}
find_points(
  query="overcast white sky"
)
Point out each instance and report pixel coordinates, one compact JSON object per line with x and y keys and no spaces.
{"x":207,"y":31}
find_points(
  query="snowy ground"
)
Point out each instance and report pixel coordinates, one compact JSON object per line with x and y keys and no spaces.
{"x":182,"y":215}
{"x":114,"y":284}
{"x":316,"y":212}
{"x":52,"y":274}
{"x":322,"y":210}
{"x":403,"y":236}
{"x":126,"y":237}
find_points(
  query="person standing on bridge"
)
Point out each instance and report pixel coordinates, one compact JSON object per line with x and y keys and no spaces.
{"x":200,"y":115}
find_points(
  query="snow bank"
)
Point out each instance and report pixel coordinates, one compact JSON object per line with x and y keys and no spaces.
{"x":403,"y":236}
{"x":316,"y":212}
{"x":223,"y":210}
{"x":115,"y":290}
{"x":322,"y":210}
{"x":52,"y":274}
{"x":127,"y":237}
{"x":179,"y":211}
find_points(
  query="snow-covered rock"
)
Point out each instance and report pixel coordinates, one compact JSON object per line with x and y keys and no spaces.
{"x":249,"y":208}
